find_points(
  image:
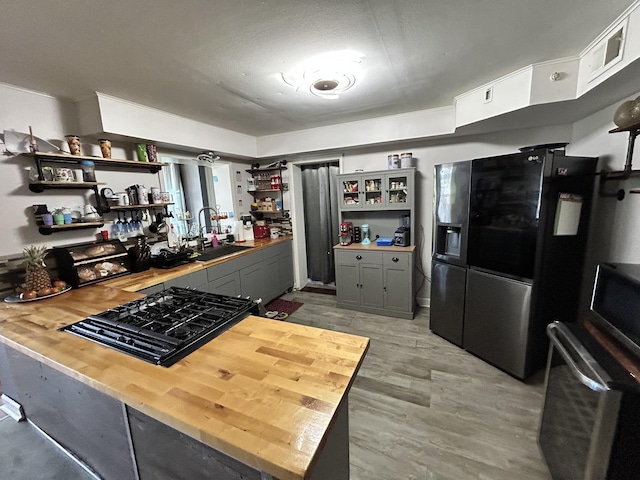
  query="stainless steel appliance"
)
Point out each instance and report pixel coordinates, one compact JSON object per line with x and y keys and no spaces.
{"x":590,"y":426}
{"x":448,"y":271}
{"x":402,"y":237}
{"x":166,"y":326}
{"x":517,"y":224}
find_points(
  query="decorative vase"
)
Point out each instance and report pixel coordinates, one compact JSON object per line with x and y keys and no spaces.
{"x":622,"y":118}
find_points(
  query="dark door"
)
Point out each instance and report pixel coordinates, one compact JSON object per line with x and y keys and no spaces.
{"x":504,"y":213}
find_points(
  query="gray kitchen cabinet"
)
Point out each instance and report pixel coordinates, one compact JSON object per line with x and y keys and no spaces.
{"x":398,"y":281}
{"x":285,"y":267}
{"x":226,"y":285}
{"x":375,"y":281}
{"x":195,"y":280}
{"x":378,"y":190}
{"x":152,"y":289}
{"x":382,"y":199}
{"x":271,"y":276}
{"x":261,"y":274}
{"x":253,"y":281}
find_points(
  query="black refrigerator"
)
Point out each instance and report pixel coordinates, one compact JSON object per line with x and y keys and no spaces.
{"x":522,"y":244}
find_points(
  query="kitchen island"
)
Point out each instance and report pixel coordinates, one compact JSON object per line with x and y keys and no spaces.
{"x":266,"y":399}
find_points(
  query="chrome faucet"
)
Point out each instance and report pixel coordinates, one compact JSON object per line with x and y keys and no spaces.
{"x":201,"y":227}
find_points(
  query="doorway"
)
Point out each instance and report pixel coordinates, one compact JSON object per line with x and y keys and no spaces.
{"x":321,"y":221}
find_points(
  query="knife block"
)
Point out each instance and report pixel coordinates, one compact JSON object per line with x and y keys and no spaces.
{"x":136,"y":264}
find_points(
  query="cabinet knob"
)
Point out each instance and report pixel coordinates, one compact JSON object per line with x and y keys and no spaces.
{"x":358,"y":257}
{"x":395,"y":259}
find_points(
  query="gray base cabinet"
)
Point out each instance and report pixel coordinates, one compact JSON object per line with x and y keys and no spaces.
{"x":264,"y":274}
{"x":375,"y":281}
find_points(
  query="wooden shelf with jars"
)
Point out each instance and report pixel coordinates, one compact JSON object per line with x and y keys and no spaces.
{"x":99,"y":162}
{"x":266,"y":182}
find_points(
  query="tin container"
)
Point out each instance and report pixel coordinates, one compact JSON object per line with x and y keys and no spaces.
{"x":406,"y":160}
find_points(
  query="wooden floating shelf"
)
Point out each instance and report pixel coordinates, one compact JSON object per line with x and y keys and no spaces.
{"x":41,"y":185}
{"x":272,"y":169}
{"x":49,"y":229}
{"x":265,"y":191}
{"x":99,"y":162}
{"x":139,"y":207}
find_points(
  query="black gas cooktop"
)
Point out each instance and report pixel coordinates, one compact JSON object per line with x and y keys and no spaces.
{"x":166,"y":326}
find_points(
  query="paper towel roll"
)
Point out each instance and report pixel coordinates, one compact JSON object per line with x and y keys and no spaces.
{"x":239,"y":232}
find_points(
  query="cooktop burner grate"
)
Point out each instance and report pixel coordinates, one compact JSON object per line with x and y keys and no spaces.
{"x":166,"y":326}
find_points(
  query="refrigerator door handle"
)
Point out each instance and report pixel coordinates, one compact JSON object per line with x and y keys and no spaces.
{"x":594,"y":379}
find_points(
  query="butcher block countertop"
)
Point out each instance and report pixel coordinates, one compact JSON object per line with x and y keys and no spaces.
{"x":265,"y":392}
{"x":154,"y":276}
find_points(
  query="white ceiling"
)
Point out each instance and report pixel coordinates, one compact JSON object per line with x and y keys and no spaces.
{"x":219,"y":61}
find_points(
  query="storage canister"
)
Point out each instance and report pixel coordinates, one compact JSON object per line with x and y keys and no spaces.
{"x":143,"y":195}
{"x":88,"y":169}
{"x":406,"y":159}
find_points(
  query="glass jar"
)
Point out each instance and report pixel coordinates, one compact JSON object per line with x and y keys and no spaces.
{"x":88,"y":169}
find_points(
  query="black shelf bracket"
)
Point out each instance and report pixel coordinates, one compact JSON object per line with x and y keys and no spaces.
{"x":628,"y":171}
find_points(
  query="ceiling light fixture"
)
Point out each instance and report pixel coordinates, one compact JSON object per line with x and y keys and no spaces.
{"x":327,"y":75}
{"x":208,"y":157}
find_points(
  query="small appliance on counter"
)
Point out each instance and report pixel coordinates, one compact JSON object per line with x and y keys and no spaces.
{"x":260,"y":231}
{"x":402,"y":237}
{"x":86,"y":263}
{"x":365,"y":234}
{"x":346,"y":233}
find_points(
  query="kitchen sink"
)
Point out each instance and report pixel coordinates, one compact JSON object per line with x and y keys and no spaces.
{"x":218,"y":252}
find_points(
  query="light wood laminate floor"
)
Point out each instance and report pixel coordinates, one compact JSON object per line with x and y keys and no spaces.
{"x":424,"y":409}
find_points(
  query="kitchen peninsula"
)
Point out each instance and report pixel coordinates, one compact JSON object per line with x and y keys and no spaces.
{"x":266,"y":399}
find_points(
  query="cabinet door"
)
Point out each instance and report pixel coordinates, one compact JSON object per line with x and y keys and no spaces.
{"x":371,"y":285}
{"x":446,"y":310}
{"x":285,"y":268}
{"x":226,"y":285}
{"x":348,"y":283}
{"x":271,"y":278}
{"x":398,"y":189}
{"x":153,"y":289}
{"x":373,"y":186}
{"x":398,"y":288}
{"x":351,"y":193}
{"x":195,"y":280}
{"x":252,"y":281}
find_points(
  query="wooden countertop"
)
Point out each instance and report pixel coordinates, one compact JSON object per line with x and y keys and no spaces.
{"x":374,"y":247}
{"x":265,"y":392}
{"x":154,"y":276}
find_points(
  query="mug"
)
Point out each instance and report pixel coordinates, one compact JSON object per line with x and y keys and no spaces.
{"x":47,"y":218}
{"x":63,"y":174}
{"x":156,"y":196}
{"x":78,"y":173}
{"x":58,"y":219}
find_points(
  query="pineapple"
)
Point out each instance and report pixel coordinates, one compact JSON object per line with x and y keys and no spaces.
{"x":37,"y":275}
